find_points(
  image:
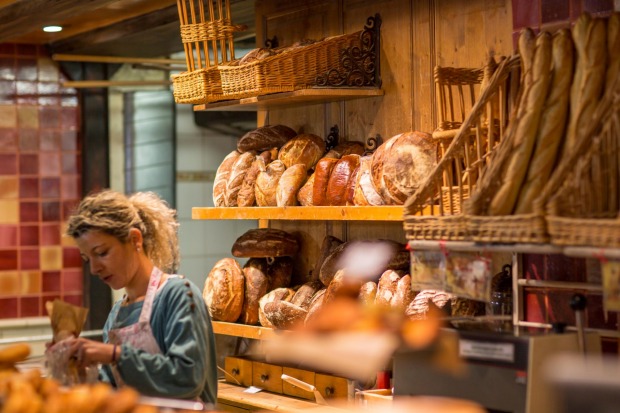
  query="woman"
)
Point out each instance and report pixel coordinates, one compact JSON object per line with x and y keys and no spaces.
{"x":158,"y":338}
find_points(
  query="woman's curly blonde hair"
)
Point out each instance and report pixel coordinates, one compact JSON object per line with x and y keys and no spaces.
{"x":115,"y":214}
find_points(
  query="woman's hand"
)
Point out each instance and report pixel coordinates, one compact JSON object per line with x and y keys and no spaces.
{"x":89,"y":352}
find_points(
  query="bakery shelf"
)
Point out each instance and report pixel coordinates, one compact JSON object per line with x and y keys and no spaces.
{"x":303,"y":213}
{"x":242,"y":330}
{"x":287,"y":99}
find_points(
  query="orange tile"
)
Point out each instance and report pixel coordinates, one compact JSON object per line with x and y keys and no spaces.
{"x":31,"y":282}
{"x":9,"y":211}
{"x":9,"y":283}
{"x":51,"y":258}
{"x":8,"y":116}
{"x":28,"y":117}
{"x":8,"y":187}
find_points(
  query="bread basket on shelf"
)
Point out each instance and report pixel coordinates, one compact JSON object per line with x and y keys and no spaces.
{"x":434,"y":211}
{"x":207,"y":36}
{"x":348,"y":60}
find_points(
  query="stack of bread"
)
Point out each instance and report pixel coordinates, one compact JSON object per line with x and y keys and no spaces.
{"x":275,"y":166}
{"x":564,"y":75}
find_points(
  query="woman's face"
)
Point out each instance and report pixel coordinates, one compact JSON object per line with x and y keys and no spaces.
{"x":114,"y":262}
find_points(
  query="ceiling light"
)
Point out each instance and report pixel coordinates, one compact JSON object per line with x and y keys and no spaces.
{"x":52,"y":29}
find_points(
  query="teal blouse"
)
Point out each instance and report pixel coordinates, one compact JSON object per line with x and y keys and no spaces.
{"x":187,"y":367}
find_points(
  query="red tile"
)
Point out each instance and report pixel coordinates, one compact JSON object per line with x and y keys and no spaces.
{"x":598,"y":6}
{"x":7,"y":92}
{"x":8,"y":236}
{"x":8,"y":260}
{"x":49,"y":164}
{"x":69,"y":163}
{"x":51,"y":281}
{"x":49,"y":118}
{"x":71,"y":258}
{"x":50,"y":234}
{"x":50,"y":188}
{"x":29,"y":212}
{"x":8,"y":139}
{"x":70,"y":118}
{"x":72,"y":281}
{"x":8,"y":308}
{"x":525,"y":13}
{"x":554,"y":10}
{"x":7,"y":49}
{"x":28,"y":188}
{"x":26,"y":69}
{"x":50,"y":211}
{"x":29,"y":235}
{"x":30,"y":307}
{"x":49,"y":140}
{"x":29,"y":259}
{"x":69,"y":140}
{"x":28,"y":139}
{"x":70,"y":187}
{"x":75,"y":299}
{"x":29,"y":164}
{"x":8,"y":164}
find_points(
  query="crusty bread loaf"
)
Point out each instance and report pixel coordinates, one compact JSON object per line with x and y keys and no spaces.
{"x":339,"y":179}
{"x":265,"y":242}
{"x":289,"y":184}
{"x":236,"y":177}
{"x":589,"y":37}
{"x":386,"y":288}
{"x":322,"y":172}
{"x":304,"y":195}
{"x":553,"y":125}
{"x":265,"y":138}
{"x":328,"y":246}
{"x":273,"y":295}
{"x":504,"y":200}
{"x":246,"y":196}
{"x":280,"y":272}
{"x":304,"y":294}
{"x":305,"y":148}
{"x":221,"y":179}
{"x":368,"y":292}
{"x":365,"y":192}
{"x":224,"y":290}
{"x":256,"y":285}
{"x":403,"y":295}
{"x":267,"y":183}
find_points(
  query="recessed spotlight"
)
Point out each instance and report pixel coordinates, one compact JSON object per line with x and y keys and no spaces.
{"x":52,"y":29}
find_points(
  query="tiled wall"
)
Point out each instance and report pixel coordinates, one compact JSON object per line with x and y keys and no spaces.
{"x":40,"y":182}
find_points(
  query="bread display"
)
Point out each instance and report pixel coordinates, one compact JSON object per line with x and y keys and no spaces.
{"x":305,"y":148}
{"x":221,"y":179}
{"x":290,"y":182}
{"x":224,"y":290}
{"x":265,"y":242}
{"x":265,"y":138}
{"x":256,"y":285}
{"x":266,"y":184}
{"x":237,"y":176}
{"x":339,"y":178}
{"x":246,"y":196}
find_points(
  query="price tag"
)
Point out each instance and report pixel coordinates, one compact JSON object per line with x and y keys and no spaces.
{"x":469,"y":276}
{"x":611,"y":285}
{"x":427,"y":270}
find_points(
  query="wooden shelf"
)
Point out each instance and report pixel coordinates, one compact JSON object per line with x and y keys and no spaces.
{"x":295,"y":98}
{"x":243,"y":330}
{"x":303,"y":213}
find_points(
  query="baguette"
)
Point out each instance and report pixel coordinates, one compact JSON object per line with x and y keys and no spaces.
{"x":505,"y":198}
{"x":589,"y":36}
{"x":551,"y":131}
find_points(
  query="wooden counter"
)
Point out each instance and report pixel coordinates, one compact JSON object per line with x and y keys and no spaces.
{"x":231,"y":398}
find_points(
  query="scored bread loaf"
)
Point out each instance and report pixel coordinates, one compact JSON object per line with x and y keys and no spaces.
{"x":551,"y":131}
{"x":289,"y":184}
{"x":267,"y":183}
{"x":305,"y":148}
{"x":224,"y":290}
{"x":246,"y":196}
{"x":304,"y":195}
{"x":221,"y":179}
{"x":504,"y":200}
{"x":237,"y":176}
{"x":256,"y":285}
{"x":265,"y":138}
{"x":265,"y":242}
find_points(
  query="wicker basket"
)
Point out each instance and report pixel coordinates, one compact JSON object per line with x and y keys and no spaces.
{"x":318,"y":64}
{"x":207,"y":36}
{"x":434,"y":211}
{"x":584,"y":201}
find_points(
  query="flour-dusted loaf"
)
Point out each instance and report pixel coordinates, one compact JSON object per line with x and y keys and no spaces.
{"x":290,"y":182}
{"x":386,"y":288}
{"x":224,"y":290}
{"x":265,"y":242}
{"x":256,"y":286}
{"x":265,"y":138}
{"x":267,"y":183}
{"x":401,"y":164}
{"x":364,"y":192}
{"x":280,"y":271}
{"x":305,"y":148}
{"x":246,"y":196}
{"x":304,"y":195}
{"x":273,"y":295}
{"x":368,"y":293}
{"x":322,"y":172}
{"x":304,"y":294}
{"x":237,"y":176}
{"x":221,"y":178}
{"x":339,"y":179}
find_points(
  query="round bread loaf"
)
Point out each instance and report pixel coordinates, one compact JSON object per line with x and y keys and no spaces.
{"x":265,"y":242}
{"x":273,"y":295}
{"x":305,"y":148}
{"x":224,"y":290}
{"x":401,"y":164}
{"x":289,"y":184}
{"x":267,"y":183}
{"x":265,"y":138}
{"x":221,"y":179}
{"x":256,"y":285}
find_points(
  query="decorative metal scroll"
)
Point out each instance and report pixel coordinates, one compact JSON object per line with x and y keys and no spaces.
{"x":372,"y":143}
{"x":332,"y":138}
{"x":360,"y":64}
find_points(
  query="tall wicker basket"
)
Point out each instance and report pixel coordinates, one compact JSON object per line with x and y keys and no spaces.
{"x":207,"y":36}
{"x":434,"y":211}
